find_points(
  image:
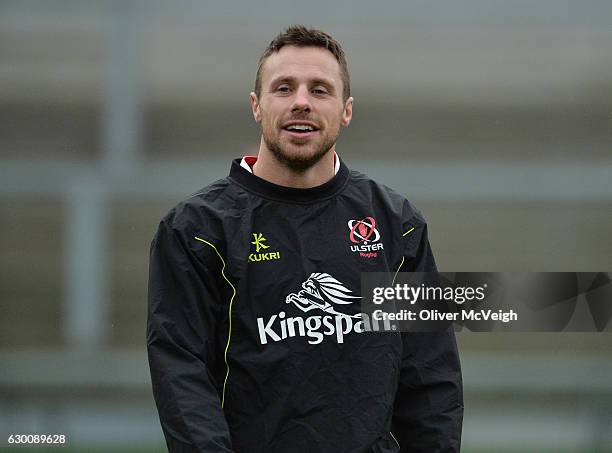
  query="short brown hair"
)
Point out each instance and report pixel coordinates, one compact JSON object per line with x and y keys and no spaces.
{"x":301,"y":36}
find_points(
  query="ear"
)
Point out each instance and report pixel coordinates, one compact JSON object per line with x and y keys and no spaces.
{"x":347,"y":113}
{"x":255,"y":107}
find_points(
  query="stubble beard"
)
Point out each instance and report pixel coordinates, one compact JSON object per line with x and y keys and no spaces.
{"x":298,"y":162}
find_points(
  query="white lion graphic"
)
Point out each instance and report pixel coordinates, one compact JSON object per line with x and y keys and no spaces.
{"x":322,"y":291}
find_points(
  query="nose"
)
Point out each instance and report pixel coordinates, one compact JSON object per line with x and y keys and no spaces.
{"x":301,"y":100}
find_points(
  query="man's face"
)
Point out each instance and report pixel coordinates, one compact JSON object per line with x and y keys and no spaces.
{"x":300,"y":107}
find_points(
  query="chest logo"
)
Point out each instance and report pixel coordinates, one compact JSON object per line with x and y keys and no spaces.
{"x":322,"y":291}
{"x":258,"y":242}
{"x":364,"y":237}
{"x":320,"y":297}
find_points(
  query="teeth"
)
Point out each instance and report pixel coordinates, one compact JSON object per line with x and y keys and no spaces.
{"x":300,"y":127}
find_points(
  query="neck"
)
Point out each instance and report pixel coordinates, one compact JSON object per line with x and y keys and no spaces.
{"x":269,"y":168}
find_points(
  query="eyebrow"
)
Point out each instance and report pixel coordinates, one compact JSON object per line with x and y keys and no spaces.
{"x":317,"y":80}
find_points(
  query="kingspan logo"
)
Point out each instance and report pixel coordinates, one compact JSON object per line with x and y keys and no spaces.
{"x":321,"y":294}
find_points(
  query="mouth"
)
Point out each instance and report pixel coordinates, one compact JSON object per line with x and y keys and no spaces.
{"x":300,"y":129}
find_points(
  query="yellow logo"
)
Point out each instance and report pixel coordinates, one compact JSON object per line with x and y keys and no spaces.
{"x":258,"y":242}
{"x":259,"y":238}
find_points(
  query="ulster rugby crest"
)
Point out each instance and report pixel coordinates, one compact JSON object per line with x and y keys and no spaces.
{"x":365,"y":237}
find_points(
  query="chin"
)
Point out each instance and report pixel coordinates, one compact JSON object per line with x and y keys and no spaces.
{"x":303,"y":153}
{"x":299,"y":159}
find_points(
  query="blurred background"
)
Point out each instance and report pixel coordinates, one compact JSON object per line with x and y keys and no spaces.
{"x":493,"y":117}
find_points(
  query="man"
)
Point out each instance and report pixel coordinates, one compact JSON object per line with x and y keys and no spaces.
{"x":254,"y":335}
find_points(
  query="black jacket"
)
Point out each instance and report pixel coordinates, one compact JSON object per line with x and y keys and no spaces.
{"x":253,"y":334}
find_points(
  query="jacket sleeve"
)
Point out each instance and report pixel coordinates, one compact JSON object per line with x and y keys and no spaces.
{"x":428,"y":410}
{"x":184,"y":303}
